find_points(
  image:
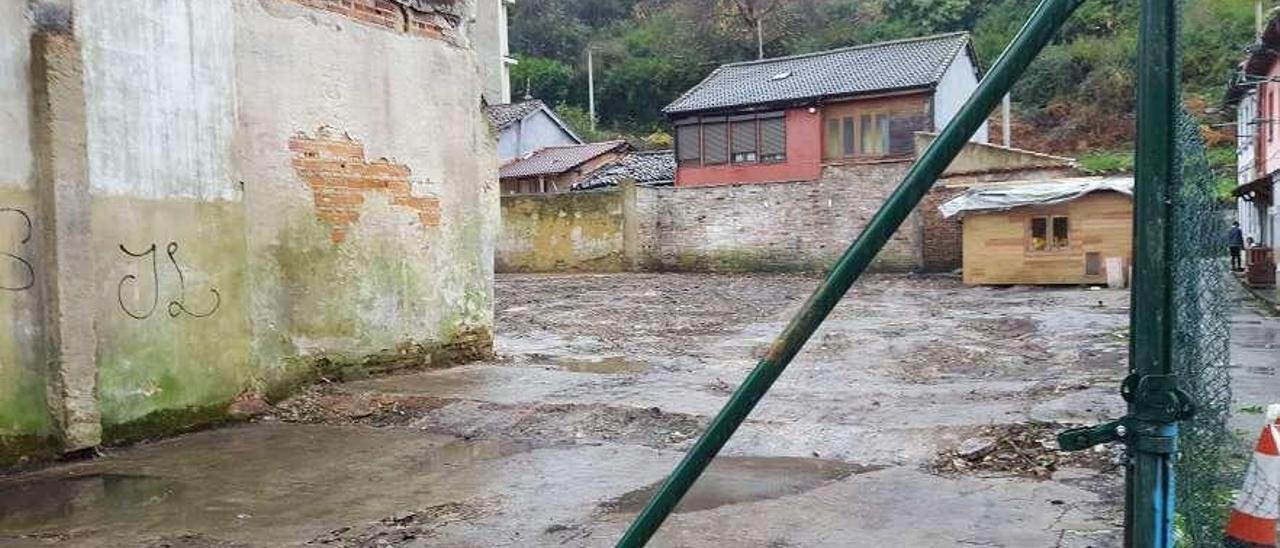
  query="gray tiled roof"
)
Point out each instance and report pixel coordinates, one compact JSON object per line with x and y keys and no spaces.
{"x":650,"y":168}
{"x":557,"y":159}
{"x":900,"y":64}
{"x":504,"y":115}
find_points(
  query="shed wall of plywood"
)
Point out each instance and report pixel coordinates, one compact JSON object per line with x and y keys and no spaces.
{"x":997,"y":249}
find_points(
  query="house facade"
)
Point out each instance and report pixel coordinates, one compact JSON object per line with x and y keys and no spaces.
{"x":558,"y":168}
{"x":526,"y":127}
{"x":1254,"y":94}
{"x":790,"y":118}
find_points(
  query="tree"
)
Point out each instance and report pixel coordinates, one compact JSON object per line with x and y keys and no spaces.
{"x":542,"y":78}
{"x":1078,"y":93}
{"x":753,"y":14}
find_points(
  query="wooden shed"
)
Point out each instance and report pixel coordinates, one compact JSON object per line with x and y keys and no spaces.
{"x":1067,"y":231}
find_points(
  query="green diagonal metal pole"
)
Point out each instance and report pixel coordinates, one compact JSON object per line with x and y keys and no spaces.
{"x":1038,"y":31}
{"x":1149,"y":478}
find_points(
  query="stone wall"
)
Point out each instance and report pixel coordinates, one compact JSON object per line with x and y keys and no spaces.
{"x":755,"y":227}
{"x":775,"y":226}
{"x":223,"y":202}
{"x":793,"y":226}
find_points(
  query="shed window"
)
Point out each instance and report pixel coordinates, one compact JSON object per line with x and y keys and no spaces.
{"x":1049,"y":234}
{"x":739,"y":139}
{"x":1060,"y":231}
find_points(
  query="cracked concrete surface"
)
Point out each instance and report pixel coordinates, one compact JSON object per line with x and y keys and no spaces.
{"x":603,"y":382}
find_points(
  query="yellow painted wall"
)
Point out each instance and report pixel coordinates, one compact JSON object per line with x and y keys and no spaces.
{"x":570,"y":231}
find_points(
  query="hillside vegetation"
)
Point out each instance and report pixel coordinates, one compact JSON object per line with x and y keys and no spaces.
{"x":1077,"y":97}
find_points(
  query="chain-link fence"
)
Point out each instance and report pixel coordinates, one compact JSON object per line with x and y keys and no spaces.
{"x":1206,"y":472}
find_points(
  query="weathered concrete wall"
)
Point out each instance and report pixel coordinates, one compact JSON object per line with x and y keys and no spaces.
{"x":566,"y":232}
{"x":371,"y":194}
{"x":25,"y":425}
{"x":16,"y":163}
{"x":167,"y":248}
{"x":200,"y":200}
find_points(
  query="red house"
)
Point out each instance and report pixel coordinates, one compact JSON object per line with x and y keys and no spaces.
{"x":789,"y":118}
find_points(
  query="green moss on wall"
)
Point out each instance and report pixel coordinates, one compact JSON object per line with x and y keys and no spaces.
{"x":23,"y":410}
{"x":165,"y":422}
{"x":16,"y":450}
{"x":373,"y":303}
{"x":169,"y":362}
{"x":570,"y":232}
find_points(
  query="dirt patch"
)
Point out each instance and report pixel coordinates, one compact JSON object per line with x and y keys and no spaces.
{"x":1003,"y":328}
{"x":192,"y":540}
{"x":399,"y":529}
{"x":550,"y":423}
{"x":607,"y":365}
{"x":330,"y":405}
{"x":662,"y":310}
{"x":1026,"y":450}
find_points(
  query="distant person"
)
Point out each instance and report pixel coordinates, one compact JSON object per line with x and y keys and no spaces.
{"x":1235,"y":243}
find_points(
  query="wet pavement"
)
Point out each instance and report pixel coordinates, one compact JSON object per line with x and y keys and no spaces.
{"x":604,"y":381}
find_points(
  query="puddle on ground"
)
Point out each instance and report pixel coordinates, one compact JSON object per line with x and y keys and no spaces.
{"x":269,"y":482}
{"x":608,"y":365}
{"x":31,"y":504}
{"x":735,"y":480}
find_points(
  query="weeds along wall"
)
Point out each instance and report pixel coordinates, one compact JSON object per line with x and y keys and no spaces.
{"x":228,"y":199}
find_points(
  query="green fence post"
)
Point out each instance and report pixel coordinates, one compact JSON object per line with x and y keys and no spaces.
{"x":1154,"y":407}
{"x":1156,"y":404}
{"x":1040,"y":28}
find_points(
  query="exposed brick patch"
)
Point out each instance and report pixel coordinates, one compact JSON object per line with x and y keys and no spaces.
{"x":435,"y":19}
{"x":333,"y":165}
{"x":943,"y":238}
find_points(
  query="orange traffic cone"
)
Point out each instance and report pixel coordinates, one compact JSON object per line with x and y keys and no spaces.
{"x":1253,"y":518}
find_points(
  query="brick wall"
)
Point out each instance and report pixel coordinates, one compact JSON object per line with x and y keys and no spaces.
{"x":334,"y":167}
{"x":774,"y":226}
{"x":439,"y":20}
{"x":754,"y":227}
{"x":943,"y":239}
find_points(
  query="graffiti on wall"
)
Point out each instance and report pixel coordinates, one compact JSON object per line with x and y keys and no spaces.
{"x":175,"y":307}
{"x":27,"y":275}
{"x":334,"y":167}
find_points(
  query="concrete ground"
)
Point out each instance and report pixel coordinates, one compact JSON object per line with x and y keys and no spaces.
{"x":920,"y":415}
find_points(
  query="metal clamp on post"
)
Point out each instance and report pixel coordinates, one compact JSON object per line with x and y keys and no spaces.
{"x":1154,"y":400}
